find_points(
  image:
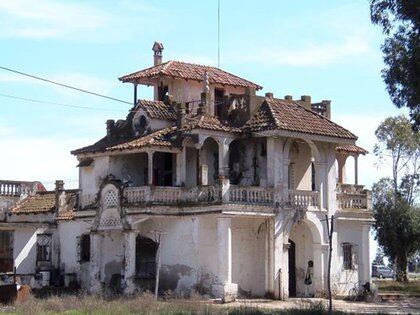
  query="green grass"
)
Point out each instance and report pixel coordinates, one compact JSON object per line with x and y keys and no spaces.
{"x":411,"y":287}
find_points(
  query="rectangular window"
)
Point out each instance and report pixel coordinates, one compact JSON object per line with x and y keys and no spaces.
{"x":218,"y":102}
{"x":43,"y":248}
{"x":85,"y":248}
{"x":348,"y":256}
{"x":6,"y":251}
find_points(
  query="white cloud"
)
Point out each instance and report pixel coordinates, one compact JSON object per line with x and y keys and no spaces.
{"x":44,"y":159}
{"x":47,"y":18}
{"x":306,"y":55}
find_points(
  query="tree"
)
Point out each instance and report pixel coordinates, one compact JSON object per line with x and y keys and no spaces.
{"x":397,"y":226}
{"x":379,"y":258}
{"x":395,"y":206}
{"x":400,"y":22}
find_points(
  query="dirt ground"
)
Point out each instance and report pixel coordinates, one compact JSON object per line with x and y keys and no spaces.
{"x":400,"y":306}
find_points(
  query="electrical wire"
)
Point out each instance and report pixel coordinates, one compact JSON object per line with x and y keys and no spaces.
{"x":54,"y":103}
{"x":64,"y":85}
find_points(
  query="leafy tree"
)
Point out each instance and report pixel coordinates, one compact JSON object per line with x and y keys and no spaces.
{"x":400,"y":22}
{"x":395,"y":206}
{"x":379,"y":258}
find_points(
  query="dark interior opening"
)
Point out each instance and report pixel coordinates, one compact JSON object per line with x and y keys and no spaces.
{"x":292,"y":268}
{"x":218,"y":102}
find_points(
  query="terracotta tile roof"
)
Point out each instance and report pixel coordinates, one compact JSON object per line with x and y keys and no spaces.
{"x":208,"y":122}
{"x":189,"y":71}
{"x":157,"y":138}
{"x":276,"y":114}
{"x":66,"y":215}
{"x":41,"y":202}
{"x":351,"y":148}
{"x":157,"y":109}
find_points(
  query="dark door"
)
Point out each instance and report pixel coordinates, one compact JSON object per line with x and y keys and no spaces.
{"x":292,"y":269}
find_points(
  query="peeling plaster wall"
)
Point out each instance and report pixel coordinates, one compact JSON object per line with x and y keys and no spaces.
{"x":189,"y":253}
{"x":302,"y":171}
{"x":91,"y":177}
{"x":130,"y":166}
{"x":191,"y":167}
{"x":112,"y":255}
{"x":68,"y":232}
{"x":248,"y":255}
{"x":348,"y":232}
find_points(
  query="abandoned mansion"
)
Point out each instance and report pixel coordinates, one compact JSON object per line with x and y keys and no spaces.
{"x":207,"y":188}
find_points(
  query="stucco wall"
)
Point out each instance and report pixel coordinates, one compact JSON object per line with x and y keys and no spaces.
{"x":92,"y":176}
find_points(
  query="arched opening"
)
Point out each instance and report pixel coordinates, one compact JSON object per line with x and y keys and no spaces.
{"x":300,"y":167}
{"x":301,"y":256}
{"x":209,"y":162}
{"x":146,"y":250}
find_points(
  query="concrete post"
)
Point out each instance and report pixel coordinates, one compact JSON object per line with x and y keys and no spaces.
{"x":129,"y":261}
{"x":280,"y":259}
{"x":150,"y":168}
{"x":95,"y":263}
{"x":224,"y":289}
{"x":203,"y":168}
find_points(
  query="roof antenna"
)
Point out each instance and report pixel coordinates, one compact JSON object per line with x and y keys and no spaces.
{"x":218,"y":33}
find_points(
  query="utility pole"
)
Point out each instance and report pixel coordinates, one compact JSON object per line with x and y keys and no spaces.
{"x":330,"y":234}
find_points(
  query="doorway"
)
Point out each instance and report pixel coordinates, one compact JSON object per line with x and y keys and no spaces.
{"x":292,"y":269}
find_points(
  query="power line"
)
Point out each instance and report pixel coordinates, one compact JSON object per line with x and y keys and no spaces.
{"x":54,"y":103}
{"x":64,"y":85}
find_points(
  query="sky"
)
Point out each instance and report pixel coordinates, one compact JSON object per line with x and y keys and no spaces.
{"x":326,"y":49}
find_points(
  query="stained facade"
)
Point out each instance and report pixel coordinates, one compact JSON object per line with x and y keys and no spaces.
{"x":208,"y":186}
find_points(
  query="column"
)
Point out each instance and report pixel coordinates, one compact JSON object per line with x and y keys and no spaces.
{"x":356,"y":170}
{"x":224,"y":158}
{"x":364,"y":264}
{"x":341,"y":161}
{"x":269,"y":261}
{"x":203,"y":169}
{"x":129,"y":261}
{"x":95,"y":263}
{"x":150,"y":167}
{"x":181,"y":167}
{"x":320,"y":183}
{"x":320,"y":269}
{"x":224,"y":289}
{"x":280,"y":259}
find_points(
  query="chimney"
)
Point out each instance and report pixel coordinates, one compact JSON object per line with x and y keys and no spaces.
{"x":59,"y":188}
{"x":327,"y":105}
{"x":157,"y":55}
{"x":109,"y":126}
{"x":288,"y":97}
{"x":269,"y":95}
{"x":306,"y":101}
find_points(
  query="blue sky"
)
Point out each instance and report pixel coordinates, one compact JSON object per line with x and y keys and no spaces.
{"x":326,"y":49}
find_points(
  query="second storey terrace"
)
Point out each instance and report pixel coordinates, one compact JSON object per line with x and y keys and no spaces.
{"x":207,"y":137}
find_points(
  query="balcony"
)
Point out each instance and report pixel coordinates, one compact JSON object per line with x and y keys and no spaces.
{"x":353,"y":197}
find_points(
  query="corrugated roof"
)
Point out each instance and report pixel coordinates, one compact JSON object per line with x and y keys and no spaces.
{"x":276,"y":114}
{"x":190,"y":71}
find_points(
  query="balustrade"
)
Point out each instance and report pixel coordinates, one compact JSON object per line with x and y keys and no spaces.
{"x":10,"y":188}
{"x":352,"y":197}
{"x":304,"y":198}
{"x":251,"y":194}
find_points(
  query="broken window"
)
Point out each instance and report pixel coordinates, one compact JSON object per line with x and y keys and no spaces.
{"x":43,"y":250}
{"x":347,"y":256}
{"x":84,"y":248}
{"x":6,"y":251}
{"x":219,"y":102}
{"x":146,"y":257}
